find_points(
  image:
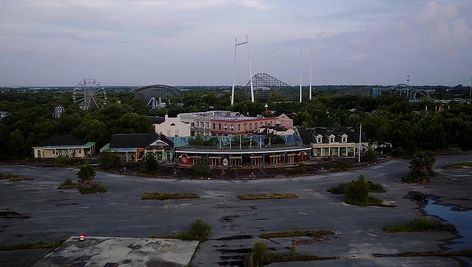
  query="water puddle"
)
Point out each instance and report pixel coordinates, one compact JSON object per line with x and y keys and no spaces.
{"x":456,"y":215}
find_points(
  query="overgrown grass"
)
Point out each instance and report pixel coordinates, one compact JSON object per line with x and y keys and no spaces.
{"x":419,"y":225}
{"x":371,"y":201}
{"x":460,"y":165}
{"x":464,"y":253}
{"x":297,"y":233}
{"x":13,"y":177}
{"x":167,"y":195}
{"x":68,"y":184}
{"x":199,"y":230}
{"x":41,"y":244}
{"x":267,"y":196}
{"x":341,"y":187}
{"x":95,"y":188}
{"x":259,"y":256}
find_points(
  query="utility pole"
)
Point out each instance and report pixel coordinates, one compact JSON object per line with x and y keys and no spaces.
{"x":236,"y":44}
{"x":301,"y":76}
{"x":311,"y":66}
{"x":360,"y":141}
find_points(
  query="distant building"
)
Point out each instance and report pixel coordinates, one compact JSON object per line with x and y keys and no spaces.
{"x":133,"y":147}
{"x":229,"y":122}
{"x":64,"y":146}
{"x":172,"y":127}
{"x":333,"y":142}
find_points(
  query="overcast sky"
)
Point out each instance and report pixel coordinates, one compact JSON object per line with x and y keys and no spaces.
{"x":190,"y":42}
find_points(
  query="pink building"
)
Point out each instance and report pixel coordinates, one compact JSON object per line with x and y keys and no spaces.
{"x":238,"y":125}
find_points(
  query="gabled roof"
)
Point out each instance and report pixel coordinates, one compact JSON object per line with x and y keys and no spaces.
{"x":62,"y":140}
{"x":309,"y":135}
{"x":139,"y":140}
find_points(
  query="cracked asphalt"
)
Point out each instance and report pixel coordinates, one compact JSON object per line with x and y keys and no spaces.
{"x":39,"y":211}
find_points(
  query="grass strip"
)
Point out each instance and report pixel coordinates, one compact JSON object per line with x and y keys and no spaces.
{"x":464,"y":252}
{"x":460,"y":165}
{"x":267,"y":196}
{"x":272,"y":257}
{"x":41,"y":244}
{"x":167,"y":195}
{"x":68,"y":184}
{"x":297,"y":233}
{"x":14,"y":178}
{"x":419,"y":225}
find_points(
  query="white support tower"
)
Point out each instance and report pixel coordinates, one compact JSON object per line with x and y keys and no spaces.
{"x":311,"y":68}
{"x":236,"y":44}
{"x":301,"y":76}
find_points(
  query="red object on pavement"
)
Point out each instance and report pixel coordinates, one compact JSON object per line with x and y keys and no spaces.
{"x":82,"y":237}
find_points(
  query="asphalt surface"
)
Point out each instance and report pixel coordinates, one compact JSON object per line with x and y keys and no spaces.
{"x":46,"y":213}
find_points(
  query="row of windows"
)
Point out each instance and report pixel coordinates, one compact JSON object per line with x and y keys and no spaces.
{"x":231,"y":126}
{"x":332,"y":139}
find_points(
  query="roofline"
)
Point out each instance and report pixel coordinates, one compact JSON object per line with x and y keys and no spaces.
{"x":237,"y":152}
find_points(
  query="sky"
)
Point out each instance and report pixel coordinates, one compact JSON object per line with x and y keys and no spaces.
{"x":191,"y":42}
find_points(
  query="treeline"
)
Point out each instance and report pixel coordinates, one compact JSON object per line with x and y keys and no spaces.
{"x":388,"y":118}
{"x":31,"y":120}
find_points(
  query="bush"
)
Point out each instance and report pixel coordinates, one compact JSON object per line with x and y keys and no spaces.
{"x":370,"y":156}
{"x":201,"y":169}
{"x":87,"y":184}
{"x":109,"y":160}
{"x":199,"y":230}
{"x":259,"y":250}
{"x":357,"y":191}
{"x":421,"y":168}
{"x":86,"y":173}
{"x":341,"y":187}
{"x":151,"y":165}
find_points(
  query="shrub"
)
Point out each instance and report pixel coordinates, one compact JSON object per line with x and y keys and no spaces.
{"x":259,"y":250}
{"x":201,"y":169}
{"x":87,"y":184}
{"x":341,"y":187}
{"x":109,"y":160}
{"x":199,"y":230}
{"x":370,"y":156}
{"x":151,"y":165}
{"x":86,"y":173}
{"x":421,"y":168}
{"x":357,"y":191}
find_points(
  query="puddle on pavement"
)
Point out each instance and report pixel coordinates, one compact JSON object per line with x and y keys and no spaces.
{"x":235,"y":237}
{"x":456,"y":215}
{"x":13,"y":215}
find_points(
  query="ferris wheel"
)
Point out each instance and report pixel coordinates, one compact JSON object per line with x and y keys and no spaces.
{"x":89,"y":94}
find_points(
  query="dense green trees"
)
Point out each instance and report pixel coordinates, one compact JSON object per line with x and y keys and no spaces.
{"x":421,"y":168}
{"x":388,"y":118}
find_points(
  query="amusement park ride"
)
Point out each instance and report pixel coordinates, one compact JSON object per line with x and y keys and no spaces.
{"x":89,"y":94}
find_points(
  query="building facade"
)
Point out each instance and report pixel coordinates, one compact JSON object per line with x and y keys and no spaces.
{"x":326,"y":142}
{"x":133,"y":147}
{"x":64,"y":146}
{"x":170,"y":126}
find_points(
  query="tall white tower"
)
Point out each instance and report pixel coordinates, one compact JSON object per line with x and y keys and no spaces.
{"x":311,"y":67}
{"x":236,"y":44}
{"x":301,"y":75}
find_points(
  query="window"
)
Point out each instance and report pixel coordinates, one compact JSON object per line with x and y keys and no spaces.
{"x":331,"y":139}
{"x":239,"y":127}
{"x":344,"y":138}
{"x":213,"y":126}
{"x":319,"y":139}
{"x":219,"y":126}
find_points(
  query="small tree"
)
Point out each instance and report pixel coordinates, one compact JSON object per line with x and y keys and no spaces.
{"x":86,"y":176}
{"x":370,"y":156}
{"x":201,"y":168}
{"x":151,"y":165}
{"x":357,"y":191}
{"x":199,"y":230}
{"x":109,"y":160}
{"x":421,"y":168}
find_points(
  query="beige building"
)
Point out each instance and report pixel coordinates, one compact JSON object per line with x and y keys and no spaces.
{"x":171,"y":127}
{"x":63,"y":146}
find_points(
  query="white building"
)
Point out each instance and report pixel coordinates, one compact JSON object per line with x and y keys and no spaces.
{"x":171,"y":127}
